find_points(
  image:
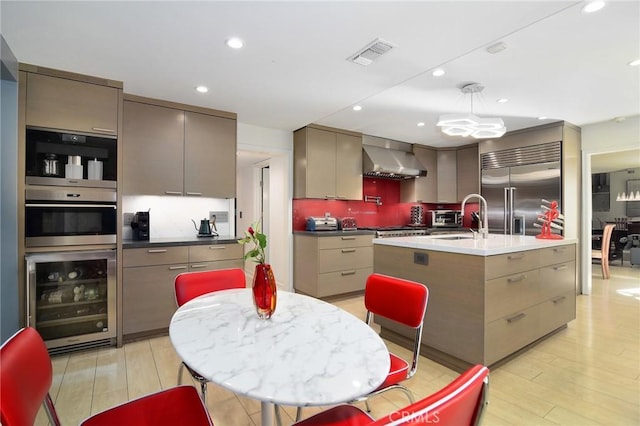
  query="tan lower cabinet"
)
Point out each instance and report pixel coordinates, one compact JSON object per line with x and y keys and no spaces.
{"x":331,"y":265}
{"x":148,"y":277}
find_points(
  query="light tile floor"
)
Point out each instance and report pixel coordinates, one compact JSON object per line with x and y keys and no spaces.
{"x":588,"y":374}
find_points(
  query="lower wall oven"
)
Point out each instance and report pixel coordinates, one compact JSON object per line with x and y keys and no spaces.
{"x":72,"y":298}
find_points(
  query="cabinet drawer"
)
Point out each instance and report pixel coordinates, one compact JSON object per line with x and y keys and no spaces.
{"x":205,"y":253}
{"x":148,"y":301}
{"x":510,"y":333}
{"x":155,"y":256}
{"x":554,"y":255}
{"x":557,"y":279}
{"x":511,"y":263}
{"x":345,"y":241}
{"x":212,"y":266}
{"x":342,"y":282}
{"x":345,"y":259}
{"x":511,"y":293}
{"x":556,"y":312}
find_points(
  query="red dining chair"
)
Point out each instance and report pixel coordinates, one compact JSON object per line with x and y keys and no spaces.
{"x":460,"y":403}
{"x":190,"y":285}
{"x":26,"y":374}
{"x":404,"y":302}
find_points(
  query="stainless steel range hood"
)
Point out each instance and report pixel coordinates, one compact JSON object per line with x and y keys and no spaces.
{"x":382,"y":160}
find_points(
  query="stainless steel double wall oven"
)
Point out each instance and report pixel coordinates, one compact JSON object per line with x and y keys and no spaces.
{"x":70,"y":238}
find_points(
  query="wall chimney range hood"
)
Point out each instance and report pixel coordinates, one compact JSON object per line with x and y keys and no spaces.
{"x":390,"y":163}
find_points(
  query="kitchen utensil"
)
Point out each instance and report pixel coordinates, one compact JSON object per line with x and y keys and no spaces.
{"x":416,"y":215}
{"x":50,"y":165}
{"x":94,"y":171}
{"x":205,"y":228}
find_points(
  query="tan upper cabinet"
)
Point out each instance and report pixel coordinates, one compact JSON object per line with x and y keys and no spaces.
{"x":423,"y":189}
{"x":65,"y":104}
{"x":173,"y":151}
{"x":447,"y":176}
{"x":328,"y":164}
{"x":468,"y":171}
{"x":153,"y":145}
{"x":209,"y":156}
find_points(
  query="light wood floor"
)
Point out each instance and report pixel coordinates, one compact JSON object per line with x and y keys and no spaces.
{"x":588,"y":374}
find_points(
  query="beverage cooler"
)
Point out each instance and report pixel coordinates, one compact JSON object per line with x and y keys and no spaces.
{"x":72,"y":298}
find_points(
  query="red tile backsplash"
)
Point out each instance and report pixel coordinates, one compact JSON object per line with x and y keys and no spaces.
{"x":391,"y":213}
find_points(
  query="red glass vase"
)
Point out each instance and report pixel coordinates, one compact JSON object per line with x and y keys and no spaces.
{"x":264,"y":291}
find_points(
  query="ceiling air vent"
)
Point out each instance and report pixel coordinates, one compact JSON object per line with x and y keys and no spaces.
{"x":371,"y":52}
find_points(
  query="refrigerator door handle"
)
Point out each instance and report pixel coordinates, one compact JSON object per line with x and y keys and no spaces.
{"x":512,"y":196}
{"x":506,"y":210}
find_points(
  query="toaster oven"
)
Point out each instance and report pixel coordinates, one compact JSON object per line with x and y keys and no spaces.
{"x":446,"y":218}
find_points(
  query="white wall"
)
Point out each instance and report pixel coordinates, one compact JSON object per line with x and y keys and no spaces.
{"x":274,"y":148}
{"x":600,"y":138}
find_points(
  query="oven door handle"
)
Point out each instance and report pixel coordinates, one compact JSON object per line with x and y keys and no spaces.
{"x":72,"y":205}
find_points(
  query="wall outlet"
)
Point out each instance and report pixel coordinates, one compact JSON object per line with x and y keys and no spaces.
{"x":127,"y":218}
{"x":220,"y":217}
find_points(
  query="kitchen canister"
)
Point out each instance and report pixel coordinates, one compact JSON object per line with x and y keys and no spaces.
{"x":94,"y":169}
{"x":73,"y":169}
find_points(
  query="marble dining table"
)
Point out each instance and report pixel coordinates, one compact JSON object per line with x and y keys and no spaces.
{"x":309,"y":353}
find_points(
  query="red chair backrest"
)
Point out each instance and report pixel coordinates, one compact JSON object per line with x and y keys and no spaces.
{"x":399,"y":300}
{"x":193,"y":284}
{"x":460,"y":403}
{"x":25,"y":377}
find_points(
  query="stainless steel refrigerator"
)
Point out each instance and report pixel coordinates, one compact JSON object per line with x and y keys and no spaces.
{"x":515,"y":181}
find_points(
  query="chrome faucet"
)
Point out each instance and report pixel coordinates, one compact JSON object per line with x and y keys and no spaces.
{"x":484,"y":227}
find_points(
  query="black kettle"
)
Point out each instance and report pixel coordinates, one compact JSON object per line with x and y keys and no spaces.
{"x":205,"y":227}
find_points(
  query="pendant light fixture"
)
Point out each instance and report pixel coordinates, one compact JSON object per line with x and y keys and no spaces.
{"x":470,"y":124}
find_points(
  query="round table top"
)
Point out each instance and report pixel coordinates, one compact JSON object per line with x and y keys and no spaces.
{"x":308,"y":353}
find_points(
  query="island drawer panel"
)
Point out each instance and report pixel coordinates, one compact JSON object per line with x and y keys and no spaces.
{"x":345,"y":258}
{"x":345,"y":241}
{"x":347,"y":281}
{"x":155,"y":256}
{"x":507,"y":294}
{"x":510,"y":333}
{"x":212,"y":252}
{"x":510,"y":263}
{"x":559,"y":254}
{"x":557,"y":279}
{"x":557,"y":311}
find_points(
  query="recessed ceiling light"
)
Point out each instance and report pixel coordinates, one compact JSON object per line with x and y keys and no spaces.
{"x":421,"y":124}
{"x":496,"y":47}
{"x":593,"y":6}
{"x":439,"y":72}
{"x":235,"y":43}
{"x":542,"y":117}
{"x":634,"y":63}
{"x":202,"y":89}
{"x":502,"y":100}
{"x":357,"y":107}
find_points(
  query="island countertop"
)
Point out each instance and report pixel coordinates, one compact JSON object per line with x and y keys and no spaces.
{"x":464,"y":243}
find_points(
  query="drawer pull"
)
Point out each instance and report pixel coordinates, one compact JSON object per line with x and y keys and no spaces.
{"x":559,"y":249}
{"x":173,"y":192}
{"x":516,"y":317}
{"x":515,"y":256}
{"x":216,"y":247}
{"x":199,"y":265}
{"x":517,"y":279}
{"x":175,"y":268}
{"x":348,"y":238}
{"x":157,"y":251}
{"x":559,"y":268}
{"x":345,"y":273}
{"x":194,"y":193}
{"x":559,"y":299}
{"x":102,"y":129}
{"x":348,"y":250}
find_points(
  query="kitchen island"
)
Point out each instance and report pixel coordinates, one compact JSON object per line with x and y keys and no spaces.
{"x":488,"y":298}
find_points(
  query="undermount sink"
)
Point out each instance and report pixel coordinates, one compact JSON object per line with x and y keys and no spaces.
{"x":455,"y":237}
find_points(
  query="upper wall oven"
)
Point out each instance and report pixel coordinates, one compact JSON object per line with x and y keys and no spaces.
{"x":70,"y":159}
{"x":69,"y":216}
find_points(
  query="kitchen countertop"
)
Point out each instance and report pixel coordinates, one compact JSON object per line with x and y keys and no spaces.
{"x":336,"y":233}
{"x":495,"y":244}
{"x":180,"y":241}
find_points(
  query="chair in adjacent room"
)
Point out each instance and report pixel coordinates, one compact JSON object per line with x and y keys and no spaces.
{"x":26,"y":375}
{"x":405,"y":303}
{"x":603,"y":253}
{"x":460,"y":403}
{"x":190,"y":285}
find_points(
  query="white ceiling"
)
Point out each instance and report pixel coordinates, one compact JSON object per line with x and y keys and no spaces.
{"x":559,"y":61}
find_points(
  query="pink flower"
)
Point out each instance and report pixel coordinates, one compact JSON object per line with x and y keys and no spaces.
{"x":251,"y":230}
